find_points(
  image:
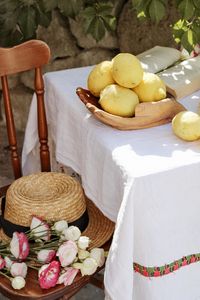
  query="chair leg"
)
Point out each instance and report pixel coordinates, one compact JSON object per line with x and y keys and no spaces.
{"x":98,"y":282}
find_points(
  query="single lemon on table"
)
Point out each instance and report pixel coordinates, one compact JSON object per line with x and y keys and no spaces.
{"x":118,"y":100}
{"x":127,"y":70}
{"x":151,"y":88}
{"x":100,"y":77}
{"x":186,"y":125}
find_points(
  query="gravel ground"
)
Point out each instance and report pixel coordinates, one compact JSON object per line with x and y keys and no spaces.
{"x":89,"y":292}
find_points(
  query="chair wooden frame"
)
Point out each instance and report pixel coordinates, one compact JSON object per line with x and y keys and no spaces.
{"x":29,"y":55}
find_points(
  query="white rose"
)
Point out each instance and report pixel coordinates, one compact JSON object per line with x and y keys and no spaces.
{"x":8,"y":262}
{"x":18,"y":269}
{"x":83,"y":242}
{"x":98,"y":255}
{"x":67,"y":253}
{"x":18,"y":282}
{"x":77,"y":265}
{"x":60,"y":225}
{"x":46,"y":255}
{"x":82,"y":254}
{"x":88,"y":266}
{"x":72,"y":233}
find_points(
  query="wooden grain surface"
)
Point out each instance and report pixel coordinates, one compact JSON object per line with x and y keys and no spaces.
{"x":147,"y":114}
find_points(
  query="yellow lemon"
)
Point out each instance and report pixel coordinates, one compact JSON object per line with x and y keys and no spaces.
{"x":100,"y":77}
{"x":127,"y":70}
{"x":118,"y":100}
{"x":151,"y":88}
{"x":186,"y":125}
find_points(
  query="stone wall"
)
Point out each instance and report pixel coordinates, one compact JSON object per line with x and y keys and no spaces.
{"x":70,"y":48}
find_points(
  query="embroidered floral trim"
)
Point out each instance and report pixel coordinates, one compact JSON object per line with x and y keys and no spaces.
{"x":166,"y":269}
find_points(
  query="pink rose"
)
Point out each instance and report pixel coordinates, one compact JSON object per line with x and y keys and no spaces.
{"x":48,"y":275}
{"x":18,"y":269}
{"x":68,"y":277}
{"x":19,"y":246}
{"x":2,"y":262}
{"x":40,"y":229}
{"x":67,"y":253}
{"x":46,"y":255}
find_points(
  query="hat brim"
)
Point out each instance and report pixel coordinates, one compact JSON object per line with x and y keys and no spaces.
{"x":99,"y":228}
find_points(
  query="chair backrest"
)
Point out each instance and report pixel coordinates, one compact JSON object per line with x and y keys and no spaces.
{"x":26,"y":56}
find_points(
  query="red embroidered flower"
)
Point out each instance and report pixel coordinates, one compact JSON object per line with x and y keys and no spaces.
{"x":167,"y":269}
{"x":156,"y":272}
{"x":184,"y":261}
{"x":176,"y":266}
{"x":192,"y":259}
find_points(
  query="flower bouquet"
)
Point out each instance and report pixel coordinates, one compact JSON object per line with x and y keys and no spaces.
{"x":57,"y":251}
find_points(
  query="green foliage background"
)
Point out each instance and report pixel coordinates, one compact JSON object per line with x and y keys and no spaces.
{"x":19,"y":19}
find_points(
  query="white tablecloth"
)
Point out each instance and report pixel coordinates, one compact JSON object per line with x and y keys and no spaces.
{"x":147,"y":181}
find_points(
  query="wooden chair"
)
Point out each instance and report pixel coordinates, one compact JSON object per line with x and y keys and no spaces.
{"x":31,"y":55}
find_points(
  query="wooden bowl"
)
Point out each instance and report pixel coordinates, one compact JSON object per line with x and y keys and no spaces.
{"x":147,"y":114}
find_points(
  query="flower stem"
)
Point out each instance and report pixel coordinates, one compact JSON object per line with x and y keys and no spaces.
{"x":32,"y":267}
{"x":4,"y":274}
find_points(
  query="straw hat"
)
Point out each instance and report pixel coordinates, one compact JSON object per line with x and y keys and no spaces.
{"x":53,"y":196}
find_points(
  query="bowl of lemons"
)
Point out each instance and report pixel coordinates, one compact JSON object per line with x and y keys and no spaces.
{"x":120,"y":94}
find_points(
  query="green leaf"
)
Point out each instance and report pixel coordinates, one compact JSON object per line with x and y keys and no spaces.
{"x":136,"y":3}
{"x":27,"y":22}
{"x":188,"y":40}
{"x":178,"y":2}
{"x":186,"y":8}
{"x":180,"y":24}
{"x":97,"y":19}
{"x":197,"y":12}
{"x":196,"y":3}
{"x":88,"y":15}
{"x":142,"y":7}
{"x":70,"y":8}
{"x":110,"y":22}
{"x":97,"y":29}
{"x":196,"y":29}
{"x":140,"y":4}
{"x":104,"y":8}
{"x":156,"y":10}
{"x":89,"y":12}
{"x":178,"y":30}
{"x":43,"y":18}
{"x":49,"y":5}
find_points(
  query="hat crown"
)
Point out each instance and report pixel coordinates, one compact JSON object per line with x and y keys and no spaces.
{"x":50,"y":195}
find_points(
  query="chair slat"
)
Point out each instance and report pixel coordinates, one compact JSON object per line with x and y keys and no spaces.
{"x":14,"y":60}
